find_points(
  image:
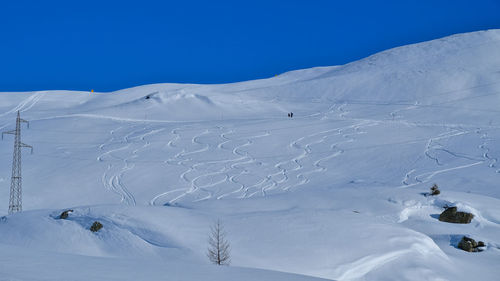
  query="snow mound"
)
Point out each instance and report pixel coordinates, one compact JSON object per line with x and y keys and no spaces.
{"x":120,"y":235}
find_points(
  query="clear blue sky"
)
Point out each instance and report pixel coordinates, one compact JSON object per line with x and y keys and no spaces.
{"x":110,"y":45}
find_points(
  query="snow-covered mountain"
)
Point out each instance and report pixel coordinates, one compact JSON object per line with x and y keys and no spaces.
{"x":336,"y":192}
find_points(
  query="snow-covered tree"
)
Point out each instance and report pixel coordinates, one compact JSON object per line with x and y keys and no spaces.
{"x":218,"y":247}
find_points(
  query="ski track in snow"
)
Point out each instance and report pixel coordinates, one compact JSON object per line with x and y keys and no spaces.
{"x":246,"y":158}
{"x":270,"y":182}
{"x":25,"y":104}
{"x":433,"y":146}
{"x":492,"y":161}
{"x":240,"y":175}
{"x":318,"y":138}
{"x":305,"y":151}
{"x":199,"y":182}
{"x":395,"y":114}
{"x":232,"y":169}
{"x":199,"y":168}
{"x":132,"y":144}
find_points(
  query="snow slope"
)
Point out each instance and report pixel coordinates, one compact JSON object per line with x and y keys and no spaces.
{"x":337,"y":192}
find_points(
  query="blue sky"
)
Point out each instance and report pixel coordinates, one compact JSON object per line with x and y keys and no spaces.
{"x":110,"y":45}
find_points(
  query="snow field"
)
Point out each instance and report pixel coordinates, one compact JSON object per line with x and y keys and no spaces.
{"x":336,"y":192}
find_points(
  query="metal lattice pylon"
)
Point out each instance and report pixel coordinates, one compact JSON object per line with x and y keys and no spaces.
{"x":15,"y":202}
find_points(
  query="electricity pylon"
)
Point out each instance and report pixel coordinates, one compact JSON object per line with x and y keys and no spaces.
{"x":15,"y":202}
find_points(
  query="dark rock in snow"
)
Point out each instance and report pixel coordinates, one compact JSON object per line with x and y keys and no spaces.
{"x":435,"y":190}
{"x":470,"y":245}
{"x":451,"y":215}
{"x":466,"y":246}
{"x":96,"y":226}
{"x":65,"y":214}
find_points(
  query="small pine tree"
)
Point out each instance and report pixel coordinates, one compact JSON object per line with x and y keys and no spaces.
{"x":218,"y":247}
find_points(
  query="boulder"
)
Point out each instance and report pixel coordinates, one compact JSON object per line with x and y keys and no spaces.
{"x":64,"y":215}
{"x":472,"y":241}
{"x":470,"y":245}
{"x":451,"y":215}
{"x":465,"y":245}
{"x":96,"y":226}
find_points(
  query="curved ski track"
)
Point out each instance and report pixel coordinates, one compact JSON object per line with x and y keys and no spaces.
{"x":237,"y":173}
{"x":112,"y":177}
{"x":199,"y":169}
{"x":196,"y":175}
{"x":433,"y":146}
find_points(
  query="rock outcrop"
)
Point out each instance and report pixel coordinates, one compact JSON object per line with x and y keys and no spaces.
{"x":451,"y":215}
{"x":470,"y":245}
{"x":64,"y":215}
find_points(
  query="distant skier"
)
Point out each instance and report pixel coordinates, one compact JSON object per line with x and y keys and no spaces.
{"x":291,"y":114}
{"x":288,"y":114}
